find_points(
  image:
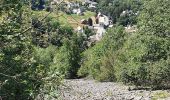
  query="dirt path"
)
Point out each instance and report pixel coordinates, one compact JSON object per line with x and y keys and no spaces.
{"x":81,"y":89}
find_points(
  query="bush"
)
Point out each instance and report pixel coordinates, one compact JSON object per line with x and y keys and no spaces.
{"x":45,"y":56}
{"x":146,"y":53}
{"x":67,"y":59}
{"x":51,"y":77}
{"x":142,"y":62}
{"x":49,"y":32}
{"x":98,"y":61}
{"x":22,"y":77}
{"x":114,"y":9}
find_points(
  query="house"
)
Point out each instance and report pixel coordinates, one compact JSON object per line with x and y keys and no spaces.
{"x":77,"y":11}
{"x":72,"y":5}
{"x":99,"y":33}
{"x":74,"y":11}
{"x":99,"y":23}
{"x":93,"y":4}
{"x":90,"y":3}
{"x":103,"y":20}
{"x":98,"y":36}
{"x":100,"y":19}
{"x":74,"y":8}
{"x":79,"y":29}
{"x":57,"y":1}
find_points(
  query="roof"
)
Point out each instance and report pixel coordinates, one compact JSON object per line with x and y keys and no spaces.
{"x":91,"y":2}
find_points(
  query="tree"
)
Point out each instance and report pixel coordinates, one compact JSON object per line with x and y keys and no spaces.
{"x":22,"y":77}
{"x":16,"y":53}
{"x":67,"y":60}
{"x":98,"y":60}
{"x":114,"y":9}
{"x":146,"y":53}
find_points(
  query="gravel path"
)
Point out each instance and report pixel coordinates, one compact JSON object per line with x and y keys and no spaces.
{"x":81,"y":89}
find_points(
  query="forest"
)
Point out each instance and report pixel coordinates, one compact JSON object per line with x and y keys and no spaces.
{"x":38,"y":52}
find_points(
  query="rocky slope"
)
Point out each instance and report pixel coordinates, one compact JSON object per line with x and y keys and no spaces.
{"x":82,"y":89}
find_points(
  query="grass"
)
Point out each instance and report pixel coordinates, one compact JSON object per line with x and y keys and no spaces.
{"x":2,"y":16}
{"x":72,"y":20}
{"x":160,"y":95}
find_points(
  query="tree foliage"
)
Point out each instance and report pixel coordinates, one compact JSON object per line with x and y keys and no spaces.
{"x":49,"y":32}
{"x":23,"y":76}
{"x":141,"y":58}
{"x":115,"y":8}
{"x":67,"y":60}
{"x":98,"y":61}
{"x":148,"y":49}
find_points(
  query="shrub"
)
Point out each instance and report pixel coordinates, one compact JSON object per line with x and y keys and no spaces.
{"x":51,"y":77}
{"x":22,"y":77}
{"x":98,"y":61}
{"x":146,"y":53}
{"x":67,"y":59}
{"x":49,"y":31}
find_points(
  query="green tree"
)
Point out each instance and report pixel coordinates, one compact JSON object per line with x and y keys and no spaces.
{"x":98,"y":61}
{"x":67,"y":60}
{"x":22,"y":77}
{"x":49,"y":31}
{"x":114,"y":9}
{"x":146,"y":53}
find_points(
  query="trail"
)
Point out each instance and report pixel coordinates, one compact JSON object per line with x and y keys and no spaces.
{"x":82,"y":89}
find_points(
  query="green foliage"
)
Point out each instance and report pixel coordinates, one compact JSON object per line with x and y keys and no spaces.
{"x":146,"y":53}
{"x":45,"y":56}
{"x":16,"y":57}
{"x":49,"y":32}
{"x":98,"y":61}
{"x":141,"y":58}
{"x":23,"y":72}
{"x":51,"y":77}
{"x":114,"y":8}
{"x":88,"y":32}
{"x":68,"y":58}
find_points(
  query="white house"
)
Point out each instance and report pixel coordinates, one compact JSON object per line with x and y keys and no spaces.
{"x":99,"y":33}
{"x":56,"y":1}
{"x":74,"y":11}
{"x":92,"y":4}
{"x":79,"y":11}
{"x":104,"y":20}
{"x":79,"y":29}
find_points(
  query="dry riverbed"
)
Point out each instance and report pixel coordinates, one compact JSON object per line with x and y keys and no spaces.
{"x":83,"y":89}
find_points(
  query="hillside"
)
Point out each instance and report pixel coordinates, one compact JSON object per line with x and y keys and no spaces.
{"x":122,"y":53}
{"x":72,"y":20}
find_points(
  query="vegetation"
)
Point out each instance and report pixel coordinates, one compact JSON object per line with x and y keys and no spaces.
{"x":160,"y":95}
{"x":149,"y":48}
{"x":140,"y":58}
{"x":64,"y":19}
{"x":123,"y":12}
{"x":99,"y":60}
{"x":23,"y":74}
{"x":68,"y":58}
{"x":37,"y":51}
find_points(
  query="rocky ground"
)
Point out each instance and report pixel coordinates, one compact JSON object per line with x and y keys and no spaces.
{"x":83,"y":89}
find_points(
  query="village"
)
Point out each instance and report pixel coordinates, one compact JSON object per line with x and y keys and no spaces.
{"x":81,"y":14}
{"x":97,"y":21}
